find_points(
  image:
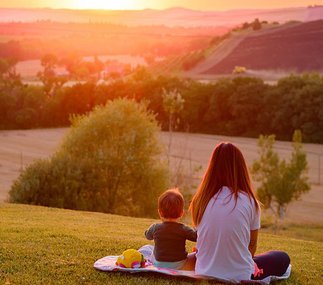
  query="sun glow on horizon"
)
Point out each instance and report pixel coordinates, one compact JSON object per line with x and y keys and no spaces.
{"x":156,"y":4}
{"x":106,"y":5}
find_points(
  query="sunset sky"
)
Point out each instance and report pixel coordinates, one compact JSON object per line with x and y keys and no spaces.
{"x":156,"y":4}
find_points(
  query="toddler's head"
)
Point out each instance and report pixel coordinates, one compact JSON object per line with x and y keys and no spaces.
{"x":171,"y":204}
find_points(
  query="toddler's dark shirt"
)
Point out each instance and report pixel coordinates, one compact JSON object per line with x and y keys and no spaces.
{"x":170,"y":238}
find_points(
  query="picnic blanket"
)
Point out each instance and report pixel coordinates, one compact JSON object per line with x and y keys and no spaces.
{"x":108,"y":263}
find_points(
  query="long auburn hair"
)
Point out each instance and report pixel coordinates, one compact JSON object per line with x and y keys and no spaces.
{"x":227,"y":167}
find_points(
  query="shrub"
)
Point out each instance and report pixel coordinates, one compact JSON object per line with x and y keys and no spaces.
{"x":56,"y":182}
{"x":281,"y":181}
{"x":109,"y":162}
{"x":239,"y":70}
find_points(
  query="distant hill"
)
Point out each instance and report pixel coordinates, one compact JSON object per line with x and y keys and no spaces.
{"x":193,"y":42}
{"x":297,"y":47}
{"x":168,"y":17}
{"x":270,"y":53}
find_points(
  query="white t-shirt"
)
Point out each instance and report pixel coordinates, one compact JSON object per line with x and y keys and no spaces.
{"x":224,"y":237}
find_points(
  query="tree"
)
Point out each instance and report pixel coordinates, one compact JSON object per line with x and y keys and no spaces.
{"x":281,"y":181}
{"x":181,"y":175}
{"x":8,"y":74}
{"x":245,"y":106}
{"x":48,"y":76}
{"x":245,"y":26}
{"x":109,"y":161}
{"x":173,"y":103}
{"x":256,"y":25}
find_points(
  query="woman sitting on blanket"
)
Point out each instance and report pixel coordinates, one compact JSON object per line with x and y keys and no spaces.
{"x":226,"y":214}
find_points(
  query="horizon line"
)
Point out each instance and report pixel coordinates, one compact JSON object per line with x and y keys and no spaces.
{"x":154,"y":9}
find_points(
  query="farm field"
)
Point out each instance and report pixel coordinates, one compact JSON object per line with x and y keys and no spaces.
{"x":258,"y":51}
{"x":18,"y":148}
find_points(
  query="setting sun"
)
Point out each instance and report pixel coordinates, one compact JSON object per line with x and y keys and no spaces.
{"x":106,"y":5}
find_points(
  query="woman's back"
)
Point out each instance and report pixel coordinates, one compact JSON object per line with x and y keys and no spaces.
{"x":224,"y":236}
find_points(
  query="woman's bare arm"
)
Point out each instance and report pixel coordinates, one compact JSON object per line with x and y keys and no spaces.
{"x":253,"y":242}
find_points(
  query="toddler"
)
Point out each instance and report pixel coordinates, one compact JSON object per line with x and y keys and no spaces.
{"x":170,"y":236}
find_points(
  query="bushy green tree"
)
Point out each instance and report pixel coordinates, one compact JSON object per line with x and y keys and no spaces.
{"x":48,"y":76}
{"x":281,"y":181}
{"x":109,"y":161}
{"x":173,"y":104}
{"x":8,"y":74}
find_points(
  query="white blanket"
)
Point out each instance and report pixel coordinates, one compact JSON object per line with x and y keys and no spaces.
{"x":108,"y":263}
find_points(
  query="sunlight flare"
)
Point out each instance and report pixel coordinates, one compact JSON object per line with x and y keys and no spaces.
{"x":106,"y":5}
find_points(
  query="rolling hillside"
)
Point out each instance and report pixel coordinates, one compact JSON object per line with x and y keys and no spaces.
{"x":293,"y":47}
{"x":170,"y":17}
{"x":182,"y":36}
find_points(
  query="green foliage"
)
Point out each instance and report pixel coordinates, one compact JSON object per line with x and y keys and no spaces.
{"x":280,"y":181}
{"x":239,"y":106}
{"x":48,"y":76}
{"x":265,"y":169}
{"x":9,"y":78}
{"x":172,"y":102}
{"x":109,"y":162}
{"x":239,"y":70}
{"x":79,"y":69}
{"x":256,"y":25}
{"x":56,"y":182}
{"x":245,"y":26}
{"x":26,"y":117}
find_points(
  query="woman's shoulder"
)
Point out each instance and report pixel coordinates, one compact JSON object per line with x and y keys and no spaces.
{"x":242,"y":196}
{"x":226,"y":191}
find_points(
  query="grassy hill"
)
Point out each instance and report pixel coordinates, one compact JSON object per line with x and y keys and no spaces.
{"x":291,"y":47}
{"x":269,"y":53}
{"x":52,"y":246}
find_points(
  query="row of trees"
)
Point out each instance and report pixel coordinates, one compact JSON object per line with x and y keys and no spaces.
{"x":241,"y":106}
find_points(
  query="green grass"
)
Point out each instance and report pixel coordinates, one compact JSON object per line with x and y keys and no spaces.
{"x":40,"y":245}
{"x":303,"y":231}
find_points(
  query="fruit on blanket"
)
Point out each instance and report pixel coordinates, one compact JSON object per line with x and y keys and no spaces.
{"x":131,"y":258}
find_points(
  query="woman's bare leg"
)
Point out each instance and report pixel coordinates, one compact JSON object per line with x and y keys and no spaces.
{"x":190,"y":262}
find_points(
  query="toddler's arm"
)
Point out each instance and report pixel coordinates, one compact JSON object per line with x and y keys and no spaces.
{"x":149,"y":234}
{"x":191,"y":234}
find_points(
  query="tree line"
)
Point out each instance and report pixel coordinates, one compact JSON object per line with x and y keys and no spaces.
{"x":238,"y":106}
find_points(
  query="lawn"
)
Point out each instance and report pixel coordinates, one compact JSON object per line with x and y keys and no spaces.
{"x":42,"y":245}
